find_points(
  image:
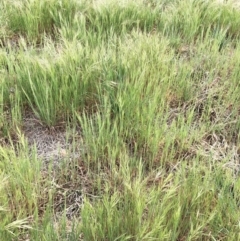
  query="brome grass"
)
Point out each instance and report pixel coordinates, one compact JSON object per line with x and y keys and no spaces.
{"x":119,"y":120}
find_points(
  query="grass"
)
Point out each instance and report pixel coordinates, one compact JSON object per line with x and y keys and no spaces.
{"x":119,"y":120}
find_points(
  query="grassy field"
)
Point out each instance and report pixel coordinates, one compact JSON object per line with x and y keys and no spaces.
{"x":119,"y":120}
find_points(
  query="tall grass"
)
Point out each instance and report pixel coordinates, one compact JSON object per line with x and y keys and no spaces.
{"x":34,"y":18}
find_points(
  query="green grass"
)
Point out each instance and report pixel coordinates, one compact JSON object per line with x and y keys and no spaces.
{"x":146,"y":93}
